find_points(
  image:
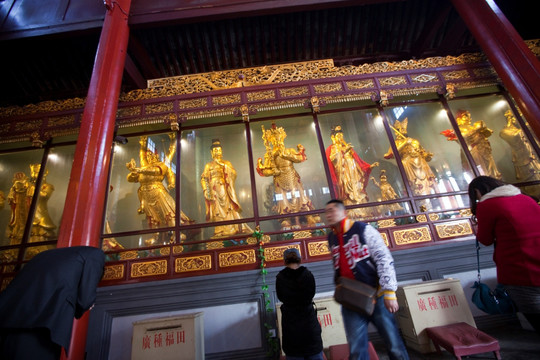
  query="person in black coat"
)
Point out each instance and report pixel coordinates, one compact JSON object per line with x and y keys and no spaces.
{"x":38,"y":306}
{"x":301,"y":331}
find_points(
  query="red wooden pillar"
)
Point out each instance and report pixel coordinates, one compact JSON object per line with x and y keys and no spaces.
{"x":83,"y":210}
{"x":516,"y":65}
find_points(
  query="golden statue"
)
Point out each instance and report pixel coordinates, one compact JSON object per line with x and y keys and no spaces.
{"x":414,"y":158}
{"x":155,"y":201}
{"x":387,"y":192}
{"x":350,"y":174}
{"x":43,"y":227}
{"x":279,"y":162}
{"x":20,"y":206}
{"x":476,"y":137}
{"x":525,"y":161}
{"x":217,"y":181}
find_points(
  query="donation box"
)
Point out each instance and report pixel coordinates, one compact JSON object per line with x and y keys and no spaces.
{"x":428,"y":304}
{"x":178,"y":337}
{"x":329,"y":315}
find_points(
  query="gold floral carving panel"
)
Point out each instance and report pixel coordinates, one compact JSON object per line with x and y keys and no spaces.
{"x":227,"y":99}
{"x":159,"y":108}
{"x":128,"y":255}
{"x":261,"y":95}
{"x":328,"y":88}
{"x":128,"y":111}
{"x":301,"y":234}
{"x":213,"y":245}
{"x":394,"y":80}
{"x":453,"y":228}
{"x":236,"y":258}
{"x":412,"y":236}
{"x":193,"y":263}
{"x":114,"y":272}
{"x":421,"y":218}
{"x":455,"y":75}
{"x":149,"y":268}
{"x":318,"y":248}
{"x":28,"y":125}
{"x":386,"y":223}
{"x":295,"y":91}
{"x":276,"y":253}
{"x":360,"y":84}
{"x":65,"y":120}
{"x":385,"y":238}
{"x":193,"y":103}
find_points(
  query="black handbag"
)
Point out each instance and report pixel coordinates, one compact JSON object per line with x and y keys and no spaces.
{"x":492,"y":302}
{"x":355,"y":295}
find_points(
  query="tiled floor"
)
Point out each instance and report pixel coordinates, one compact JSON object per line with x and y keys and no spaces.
{"x":516,"y":343}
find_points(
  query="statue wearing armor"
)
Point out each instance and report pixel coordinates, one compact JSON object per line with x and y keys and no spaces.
{"x":43,"y":227}
{"x":279,"y":162}
{"x":155,"y":201}
{"x":476,"y":137}
{"x":525,"y":161}
{"x":387,"y":192}
{"x":217,"y":181}
{"x":414,"y":159}
{"x":20,"y":206}
{"x":350,"y":174}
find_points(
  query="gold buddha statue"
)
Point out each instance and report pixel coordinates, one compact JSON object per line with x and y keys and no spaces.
{"x":414,"y":159}
{"x":217,"y":181}
{"x":350,"y":174}
{"x":289,"y":194}
{"x":387,"y":192}
{"x":155,"y":201}
{"x":526,"y":164}
{"x":476,"y":137}
{"x":43,"y":227}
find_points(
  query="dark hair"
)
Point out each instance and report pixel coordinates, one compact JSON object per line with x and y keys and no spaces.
{"x":338,"y":203}
{"x":291,"y":257}
{"x":484,"y":184}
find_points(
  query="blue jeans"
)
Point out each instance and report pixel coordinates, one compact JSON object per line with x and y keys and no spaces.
{"x":318,"y":356}
{"x":356,"y":329}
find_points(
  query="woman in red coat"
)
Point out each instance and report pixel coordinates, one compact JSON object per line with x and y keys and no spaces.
{"x":511,"y":222}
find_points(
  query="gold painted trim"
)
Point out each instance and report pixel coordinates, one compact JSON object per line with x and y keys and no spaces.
{"x":114,"y":272}
{"x":453,"y":229}
{"x":385,"y":238}
{"x":193,"y":263}
{"x":274,"y":74}
{"x":318,"y":248}
{"x":412,"y":236}
{"x":236,"y":258}
{"x":149,"y":268}
{"x":276,"y":253}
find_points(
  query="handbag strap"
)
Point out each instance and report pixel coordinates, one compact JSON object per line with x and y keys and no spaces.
{"x":478,"y":258}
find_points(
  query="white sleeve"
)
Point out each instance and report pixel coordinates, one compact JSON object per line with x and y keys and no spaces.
{"x":382,"y":258}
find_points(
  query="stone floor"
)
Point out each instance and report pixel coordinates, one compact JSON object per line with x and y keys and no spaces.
{"x":516,"y":343}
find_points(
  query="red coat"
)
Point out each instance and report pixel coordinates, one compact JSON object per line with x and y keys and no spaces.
{"x":512,"y":224}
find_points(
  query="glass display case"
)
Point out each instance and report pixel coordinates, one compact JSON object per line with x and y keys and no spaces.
{"x":209,"y":185}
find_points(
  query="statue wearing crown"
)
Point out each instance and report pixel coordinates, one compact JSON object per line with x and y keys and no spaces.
{"x":217,"y":181}
{"x":279,"y":162}
{"x":350,"y":174}
{"x":414,"y":159}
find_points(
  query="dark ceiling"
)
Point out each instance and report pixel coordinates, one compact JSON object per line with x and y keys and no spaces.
{"x":53,"y":62}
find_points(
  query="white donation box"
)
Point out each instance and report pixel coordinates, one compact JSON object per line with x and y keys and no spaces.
{"x":429,"y":304}
{"x":178,"y":337}
{"x":329,"y":315}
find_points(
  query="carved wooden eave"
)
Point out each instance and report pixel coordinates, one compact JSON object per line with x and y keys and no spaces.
{"x":241,"y":92}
